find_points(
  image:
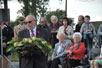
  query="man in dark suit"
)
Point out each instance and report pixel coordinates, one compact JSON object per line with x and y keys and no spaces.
{"x":34,"y":61}
{"x":43,"y":25}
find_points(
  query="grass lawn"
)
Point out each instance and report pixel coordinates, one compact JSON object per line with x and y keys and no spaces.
{"x":14,"y":57}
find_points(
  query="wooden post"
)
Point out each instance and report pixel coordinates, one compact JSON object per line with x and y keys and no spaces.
{"x":5,"y":4}
{"x":66,"y":8}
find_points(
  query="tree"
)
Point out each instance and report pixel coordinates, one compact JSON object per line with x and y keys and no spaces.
{"x":65,"y":7}
{"x":34,"y":7}
{"x":59,"y":13}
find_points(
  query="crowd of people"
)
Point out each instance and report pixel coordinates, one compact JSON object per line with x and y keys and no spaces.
{"x":69,"y":45}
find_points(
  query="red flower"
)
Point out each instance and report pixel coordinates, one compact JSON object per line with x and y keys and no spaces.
{"x":66,"y":30}
{"x":38,"y":32}
{"x":62,"y":46}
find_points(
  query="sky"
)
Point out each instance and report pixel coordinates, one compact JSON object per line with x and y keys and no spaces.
{"x":74,"y":8}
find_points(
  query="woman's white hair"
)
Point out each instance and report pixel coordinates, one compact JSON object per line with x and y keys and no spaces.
{"x":55,"y":17}
{"x":78,"y":34}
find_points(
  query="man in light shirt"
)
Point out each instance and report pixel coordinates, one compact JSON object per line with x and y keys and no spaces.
{"x":19,"y":27}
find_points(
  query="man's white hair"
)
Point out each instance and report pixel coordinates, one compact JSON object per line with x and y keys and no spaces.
{"x":33,"y":17}
{"x":55,"y":17}
{"x":62,"y":34}
{"x":78,"y":34}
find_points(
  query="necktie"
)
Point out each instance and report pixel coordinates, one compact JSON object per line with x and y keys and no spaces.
{"x":32,"y":34}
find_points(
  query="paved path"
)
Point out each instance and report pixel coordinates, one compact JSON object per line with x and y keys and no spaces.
{"x":16,"y":64}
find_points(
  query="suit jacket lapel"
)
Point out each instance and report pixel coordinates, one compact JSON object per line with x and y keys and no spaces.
{"x":37,"y":32}
{"x":27,"y":33}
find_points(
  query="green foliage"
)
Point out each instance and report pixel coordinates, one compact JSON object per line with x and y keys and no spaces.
{"x":59,"y":13}
{"x":32,"y":45}
{"x":13,"y":23}
{"x":35,"y":7}
{"x":15,"y":57}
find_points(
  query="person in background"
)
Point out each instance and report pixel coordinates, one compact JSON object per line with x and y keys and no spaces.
{"x":58,"y":51}
{"x":97,"y":61}
{"x":7,"y":34}
{"x":66,"y":29}
{"x":43,"y":24}
{"x":75,"y":51}
{"x":88,"y":32}
{"x":99,"y":32}
{"x":54,"y":29}
{"x":80,"y":22}
{"x":19,"y":27}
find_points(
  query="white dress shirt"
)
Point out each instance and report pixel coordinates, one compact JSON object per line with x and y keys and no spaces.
{"x":34,"y":31}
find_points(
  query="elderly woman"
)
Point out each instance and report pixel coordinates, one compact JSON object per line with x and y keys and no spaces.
{"x":66,"y":29}
{"x":54,"y":29}
{"x":76,"y":51}
{"x":59,"y":49}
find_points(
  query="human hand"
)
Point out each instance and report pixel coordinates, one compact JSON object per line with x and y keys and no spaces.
{"x":4,"y":44}
{"x":94,"y":35}
{"x":90,"y":29}
{"x":52,"y":58}
{"x":68,"y":51}
{"x":24,"y":52}
{"x":98,"y":58}
{"x":84,"y":29}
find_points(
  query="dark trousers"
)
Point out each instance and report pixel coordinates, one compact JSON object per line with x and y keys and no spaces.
{"x":73,"y":62}
{"x":100,"y":40}
{"x":25,"y":61}
{"x":54,"y":63}
{"x":40,"y":61}
{"x":87,"y":39}
{"x":34,"y":61}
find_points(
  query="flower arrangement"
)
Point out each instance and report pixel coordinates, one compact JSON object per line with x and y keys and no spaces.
{"x":32,"y":45}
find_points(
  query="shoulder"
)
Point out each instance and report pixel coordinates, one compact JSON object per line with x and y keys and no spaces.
{"x":66,"y":42}
{"x":69,"y":26}
{"x":57,"y":44}
{"x":82,"y":44}
{"x":77,"y":25}
{"x":91,"y":23}
{"x":61,"y":27}
{"x":84,"y":23}
{"x":100,"y":26}
{"x":22,"y":31}
{"x":16,"y":26}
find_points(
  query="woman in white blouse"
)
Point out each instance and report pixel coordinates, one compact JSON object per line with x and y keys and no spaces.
{"x":66,"y":29}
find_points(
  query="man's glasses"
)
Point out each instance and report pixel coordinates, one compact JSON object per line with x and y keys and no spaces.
{"x":28,"y":22}
{"x":21,"y":20}
{"x":80,"y":20}
{"x":42,"y":21}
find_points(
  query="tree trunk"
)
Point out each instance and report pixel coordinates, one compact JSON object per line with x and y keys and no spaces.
{"x":5,"y":4}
